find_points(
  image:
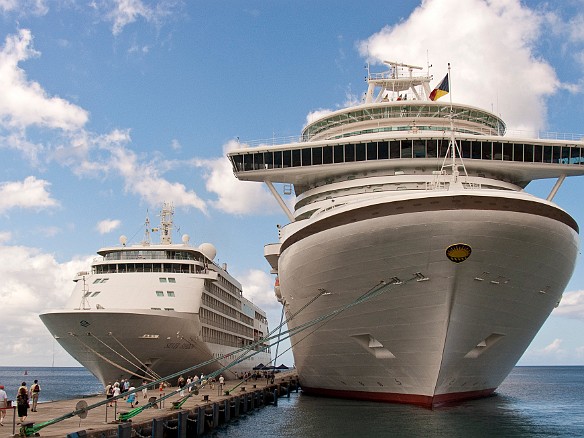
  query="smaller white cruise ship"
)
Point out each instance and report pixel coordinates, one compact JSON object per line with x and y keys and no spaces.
{"x":151,"y":310}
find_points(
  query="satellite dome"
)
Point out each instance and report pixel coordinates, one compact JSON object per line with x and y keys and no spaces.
{"x":186,"y":238}
{"x":208,"y":250}
{"x":123,"y":240}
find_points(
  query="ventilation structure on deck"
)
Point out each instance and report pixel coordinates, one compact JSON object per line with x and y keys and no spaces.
{"x":484,"y":345}
{"x":373,"y":346}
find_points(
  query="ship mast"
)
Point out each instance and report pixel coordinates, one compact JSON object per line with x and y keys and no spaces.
{"x":166,"y":215}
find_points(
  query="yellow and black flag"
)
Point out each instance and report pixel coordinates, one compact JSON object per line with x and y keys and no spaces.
{"x":442,"y":89}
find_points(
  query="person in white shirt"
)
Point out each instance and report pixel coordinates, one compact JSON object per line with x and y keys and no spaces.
{"x":3,"y":404}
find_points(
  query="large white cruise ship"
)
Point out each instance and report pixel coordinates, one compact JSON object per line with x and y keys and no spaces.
{"x":415,"y":268}
{"x":147,"y":311}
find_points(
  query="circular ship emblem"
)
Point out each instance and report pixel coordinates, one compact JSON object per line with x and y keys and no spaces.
{"x":458,"y":252}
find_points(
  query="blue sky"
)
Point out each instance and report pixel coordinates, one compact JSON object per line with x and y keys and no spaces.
{"x":109,"y":108}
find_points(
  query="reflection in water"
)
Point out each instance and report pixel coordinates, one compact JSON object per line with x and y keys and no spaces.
{"x":533,"y":401}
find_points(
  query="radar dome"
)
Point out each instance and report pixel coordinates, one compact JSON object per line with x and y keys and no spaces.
{"x":186,"y":238}
{"x":123,"y":240}
{"x":208,"y":250}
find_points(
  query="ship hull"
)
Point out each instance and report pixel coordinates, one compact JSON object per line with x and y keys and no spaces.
{"x":117,"y":344}
{"x":434,"y":331}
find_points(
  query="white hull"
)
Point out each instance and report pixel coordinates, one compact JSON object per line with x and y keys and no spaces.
{"x":107,"y":342}
{"x":423,"y":341}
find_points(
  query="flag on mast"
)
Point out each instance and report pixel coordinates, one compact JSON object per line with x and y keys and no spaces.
{"x":442,"y":89}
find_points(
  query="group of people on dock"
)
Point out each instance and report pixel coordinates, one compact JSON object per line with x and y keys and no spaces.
{"x":24,"y":396}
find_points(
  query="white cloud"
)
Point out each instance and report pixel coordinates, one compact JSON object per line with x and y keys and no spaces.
{"x":571,"y":305}
{"x":24,"y":103}
{"x":31,"y":193}
{"x":124,"y":12}
{"x":486,"y":42}
{"x":234,"y":196}
{"x":258,"y":287}
{"x":32,"y":281}
{"x":5,"y":236}
{"x":108,"y":225}
{"x":24,"y":7}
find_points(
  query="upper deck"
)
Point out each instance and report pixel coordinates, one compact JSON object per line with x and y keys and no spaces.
{"x":517,"y":160}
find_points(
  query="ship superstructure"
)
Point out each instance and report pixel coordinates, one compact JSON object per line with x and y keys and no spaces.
{"x":149,"y":310}
{"x":418,"y":205}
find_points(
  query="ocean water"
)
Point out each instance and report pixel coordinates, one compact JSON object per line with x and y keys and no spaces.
{"x":57,"y":383}
{"x":532,"y":402}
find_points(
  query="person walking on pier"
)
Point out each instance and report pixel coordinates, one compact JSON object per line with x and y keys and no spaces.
{"x":22,"y":402}
{"x":35,"y":390}
{"x":3,"y":404}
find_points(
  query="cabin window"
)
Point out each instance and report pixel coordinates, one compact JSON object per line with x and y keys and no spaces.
{"x":172,"y":280}
{"x":95,"y":294}
{"x":170,"y":293}
{"x":162,"y":279}
{"x":98,"y":280}
{"x":159,"y":293}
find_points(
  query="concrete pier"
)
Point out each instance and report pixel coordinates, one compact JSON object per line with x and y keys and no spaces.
{"x":199,"y":415}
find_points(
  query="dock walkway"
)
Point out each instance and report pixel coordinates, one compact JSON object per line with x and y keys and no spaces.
{"x":103,"y":420}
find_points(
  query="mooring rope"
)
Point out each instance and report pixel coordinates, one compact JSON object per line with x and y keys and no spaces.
{"x":372,"y":293}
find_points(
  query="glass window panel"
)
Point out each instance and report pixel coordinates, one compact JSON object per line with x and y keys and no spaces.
{"x":486,"y":150}
{"x":383,"y":150}
{"x":431,"y":147}
{"x":537,"y":153}
{"x":339,"y":154}
{"x":296,"y":157}
{"x":372,"y":151}
{"x":327,"y":155}
{"x":258,"y":161}
{"x":306,"y":157}
{"x":394,"y":149}
{"x":475,"y":150}
{"x":360,"y":154}
{"x":465,"y":148}
{"x":278,"y":160}
{"x":547,"y":154}
{"x":349,"y":152}
{"x":507,"y":151}
{"x":248,"y":162}
{"x":443,"y":147}
{"x":557,"y":154}
{"x":406,"y":149}
{"x":238,"y":162}
{"x":269,"y":160}
{"x":286,"y":158}
{"x":419,"y":149}
{"x":528,"y":153}
{"x":565,"y":155}
{"x":316,"y":155}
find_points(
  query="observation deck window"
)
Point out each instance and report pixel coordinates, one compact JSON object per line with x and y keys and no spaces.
{"x":339,"y":154}
{"x":317,"y":156}
{"x":419,"y":148}
{"x":349,"y":152}
{"x":518,"y":152}
{"x":431,"y":148}
{"x":528,"y":153}
{"x":383,"y":150}
{"x":476,"y":150}
{"x":360,"y":152}
{"x":296,"y":158}
{"x":394,"y":149}
{"x":547,"y":154}
{"x":507,"y":151}
{"x":287,"y":158}
{"x":406,"y":149}
{"x":277,"y":159}
{"x":327,"y":155}
{"x":371,"y":151}
{"x":306,"y":157}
